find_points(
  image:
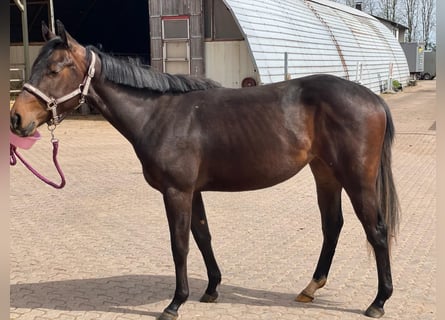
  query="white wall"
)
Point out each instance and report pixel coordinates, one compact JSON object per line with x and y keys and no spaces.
{"x":320,"y":36}
{"x":17,"y":57}
{"x":228,"y":62}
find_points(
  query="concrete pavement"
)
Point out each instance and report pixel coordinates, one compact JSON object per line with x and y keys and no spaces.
{"x":99,"y":248}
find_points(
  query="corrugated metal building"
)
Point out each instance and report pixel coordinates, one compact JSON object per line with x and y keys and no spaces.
{"x":234,"y":40}
{"x":231,"y":40}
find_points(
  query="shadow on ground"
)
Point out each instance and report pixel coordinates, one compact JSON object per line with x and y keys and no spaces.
{"x":123,"y":293}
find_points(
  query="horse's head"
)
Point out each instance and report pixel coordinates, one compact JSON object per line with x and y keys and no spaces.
{"x":57,"y":74}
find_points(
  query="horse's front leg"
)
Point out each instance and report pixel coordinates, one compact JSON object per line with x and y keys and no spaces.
{"x":201,"y":233}
{"x":178,"y":206}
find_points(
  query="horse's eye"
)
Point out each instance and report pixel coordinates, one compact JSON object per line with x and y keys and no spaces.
{"x":55,"y":69}
{"x":53,"y":72}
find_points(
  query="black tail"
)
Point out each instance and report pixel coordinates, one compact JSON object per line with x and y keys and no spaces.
{"x":386,"y":191}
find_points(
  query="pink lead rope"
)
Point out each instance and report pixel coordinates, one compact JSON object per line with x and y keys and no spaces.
{"x":55,"y":120}
{"x":13,"y":162}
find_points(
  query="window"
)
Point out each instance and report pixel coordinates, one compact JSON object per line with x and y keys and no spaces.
{"x":175,"y":28}
{"x":176,"y":44}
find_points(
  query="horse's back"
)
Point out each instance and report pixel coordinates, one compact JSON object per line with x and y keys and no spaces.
{"x":252,"y":138}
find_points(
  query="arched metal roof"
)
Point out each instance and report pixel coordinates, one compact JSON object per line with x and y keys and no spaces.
{"x":319,"y":36}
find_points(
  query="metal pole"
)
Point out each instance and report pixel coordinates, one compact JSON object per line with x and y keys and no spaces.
{"x":22,"y":6}
{"x":19,"y":4}
{"x":286,"y":66}
{"x":358,"y":72}
{"x":390,"y":88}
{"x":51,"y":16}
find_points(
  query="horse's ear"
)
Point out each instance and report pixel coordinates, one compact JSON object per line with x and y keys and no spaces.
{"x":65,"y":36}
{"x":61,"y":32}
{"x":46,"y":33}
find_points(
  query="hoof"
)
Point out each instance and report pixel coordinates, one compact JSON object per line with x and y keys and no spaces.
{"x":209,"y":297}
{"x":168,"y":315}
{"x":374,"y":312}
{"x":307,"y":295}
{"x":304,"y":297}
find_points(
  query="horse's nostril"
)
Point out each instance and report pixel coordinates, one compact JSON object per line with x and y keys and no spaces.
{"x":15,"y":121}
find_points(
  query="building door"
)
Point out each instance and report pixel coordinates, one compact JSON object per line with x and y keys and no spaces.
{"x":176,"y":44}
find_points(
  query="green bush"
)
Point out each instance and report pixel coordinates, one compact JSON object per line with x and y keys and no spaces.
{"x":397,"y":85}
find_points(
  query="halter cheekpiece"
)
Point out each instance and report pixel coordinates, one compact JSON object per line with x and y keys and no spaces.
{"x":52,"y":103}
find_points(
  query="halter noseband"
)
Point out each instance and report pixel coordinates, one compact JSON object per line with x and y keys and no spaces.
{"x":52,"y":103}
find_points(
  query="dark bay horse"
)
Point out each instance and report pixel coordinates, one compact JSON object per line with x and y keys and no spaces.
{"x":191,"y":135}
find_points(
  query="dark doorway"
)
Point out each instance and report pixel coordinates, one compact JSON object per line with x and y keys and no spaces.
{"x":120,"y":27}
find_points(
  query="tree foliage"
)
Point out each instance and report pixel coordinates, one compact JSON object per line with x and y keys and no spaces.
{"x":417,"y":15}
{"x":427,"y":9}
{"x":388,"y":9}
{"x":411,"y":11}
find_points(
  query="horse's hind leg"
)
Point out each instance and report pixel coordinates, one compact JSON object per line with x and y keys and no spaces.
{"x":201,"y":233}
{"x":329,"y":202}
{"x":364,"y":201}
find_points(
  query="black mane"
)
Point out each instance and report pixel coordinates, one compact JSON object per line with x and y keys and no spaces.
{"x":131,"y":73}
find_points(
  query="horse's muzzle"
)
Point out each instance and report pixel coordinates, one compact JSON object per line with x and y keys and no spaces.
{"x":16,"y":126}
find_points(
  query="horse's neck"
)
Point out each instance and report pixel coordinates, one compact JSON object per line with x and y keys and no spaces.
{"x":124,"y":110}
